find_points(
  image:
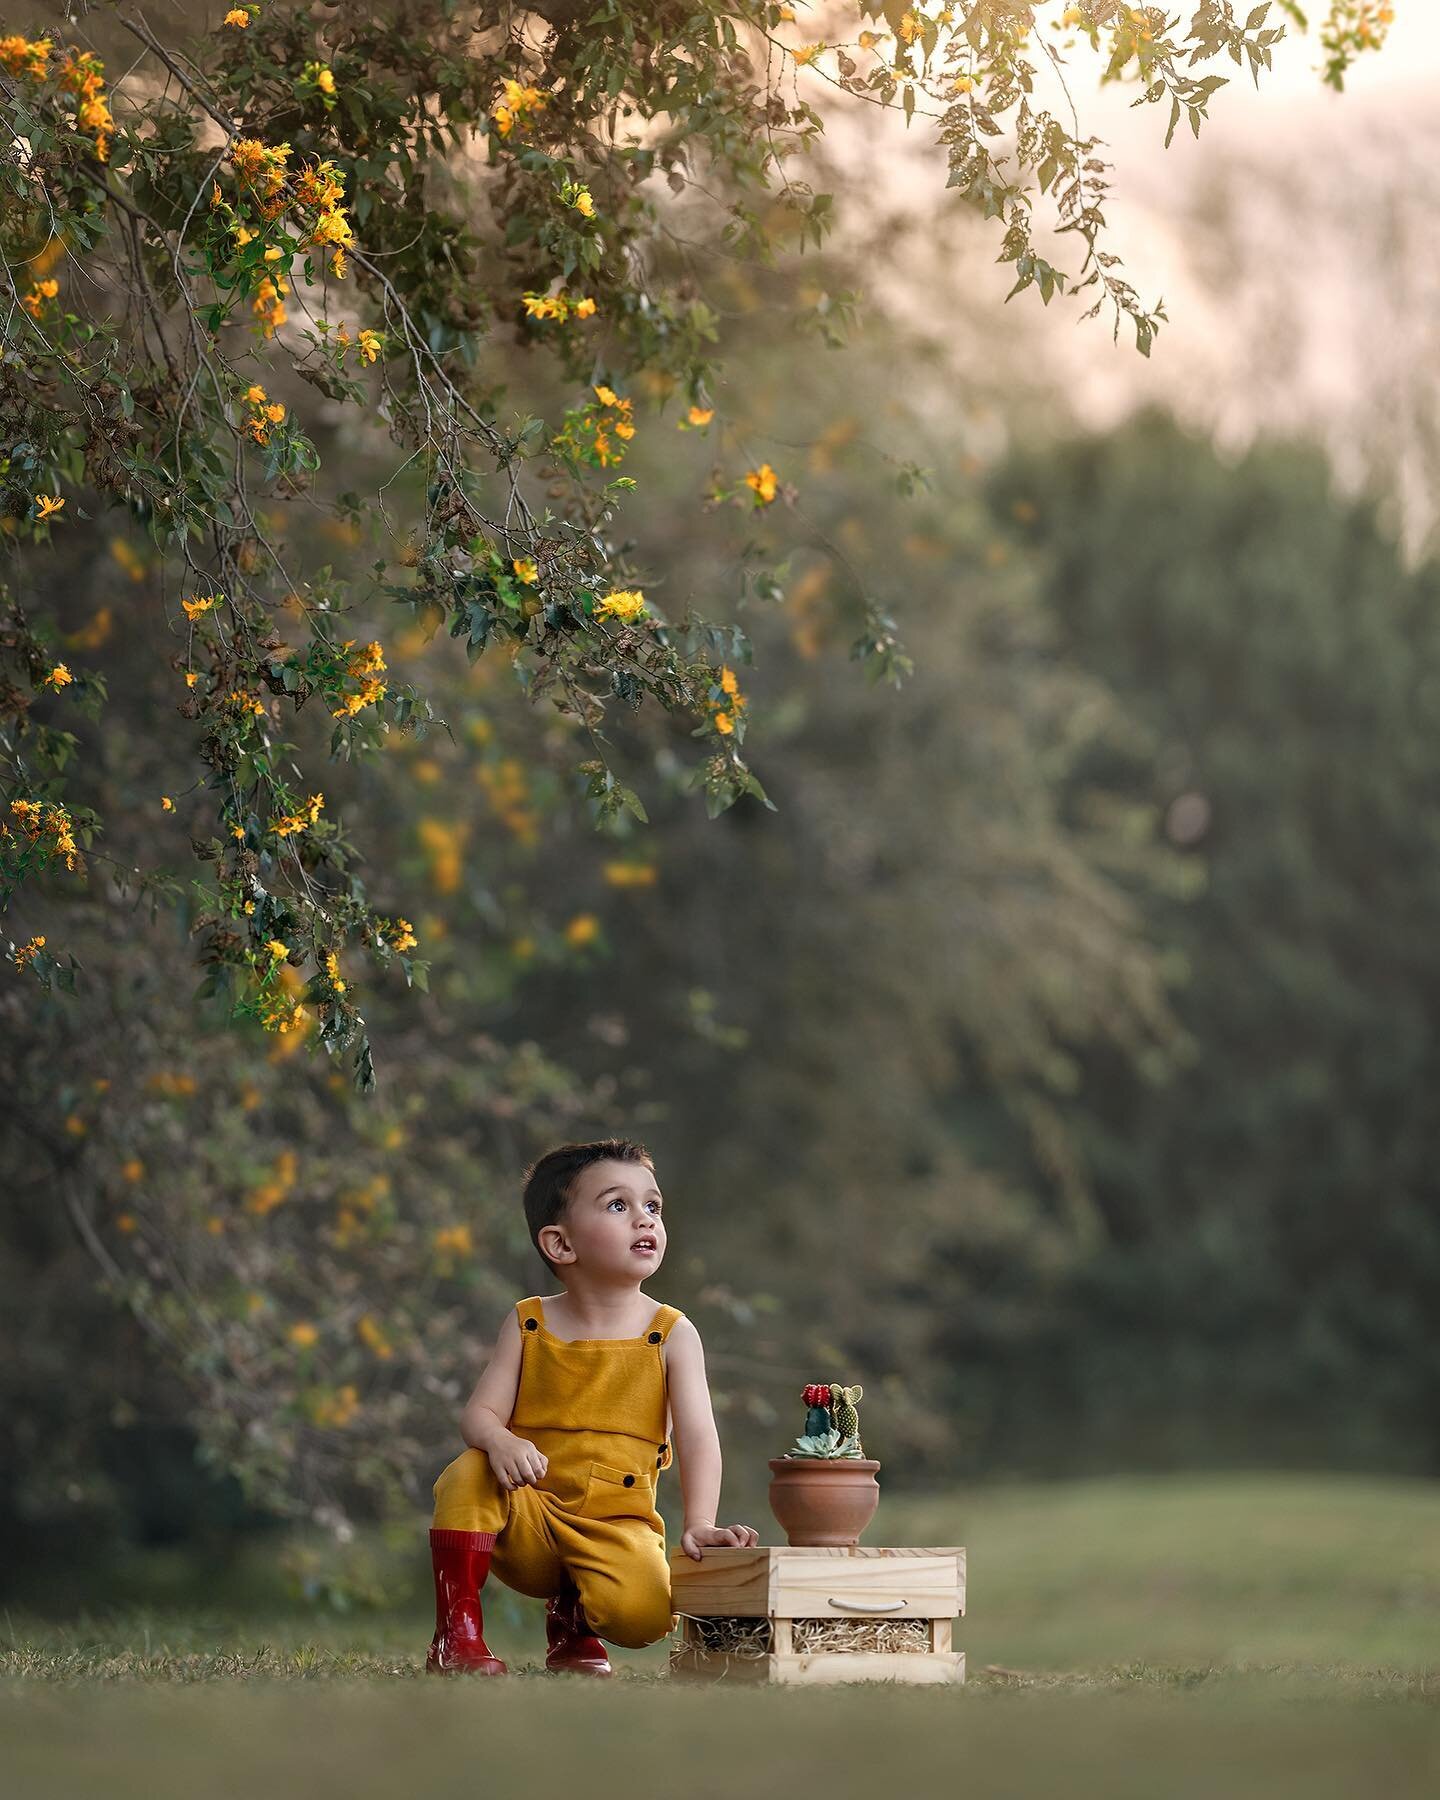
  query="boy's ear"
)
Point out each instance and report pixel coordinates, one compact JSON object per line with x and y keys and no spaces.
{"x":552,"y":1241}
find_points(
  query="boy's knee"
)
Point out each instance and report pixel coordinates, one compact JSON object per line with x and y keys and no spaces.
{"x":468,"y":1497}
{"x":467,"y":1473}
{"x":631,"y":1616}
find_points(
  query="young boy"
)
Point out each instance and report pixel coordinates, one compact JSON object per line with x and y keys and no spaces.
{"x":569,"y":1426}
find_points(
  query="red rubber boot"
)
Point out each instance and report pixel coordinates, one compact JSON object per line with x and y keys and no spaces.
{"x":461,"y":1560}
{"x":573,"y":1647}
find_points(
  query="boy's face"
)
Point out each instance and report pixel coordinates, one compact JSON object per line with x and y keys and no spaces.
{"x":613,"y":1225}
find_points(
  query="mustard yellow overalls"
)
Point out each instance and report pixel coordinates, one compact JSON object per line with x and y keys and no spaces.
{"x":597,"y":1408}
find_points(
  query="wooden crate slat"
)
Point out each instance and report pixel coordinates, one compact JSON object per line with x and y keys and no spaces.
{"x":820,"y":1668}
{"x":727,"y":1580}
{"x":924,"y":1587}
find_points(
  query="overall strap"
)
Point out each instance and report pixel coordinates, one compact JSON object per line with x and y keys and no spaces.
{"x":527,"y":1311}
{"x":664,"y":1318}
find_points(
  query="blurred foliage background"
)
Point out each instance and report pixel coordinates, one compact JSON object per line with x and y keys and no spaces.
{"x":1056,"y":1059}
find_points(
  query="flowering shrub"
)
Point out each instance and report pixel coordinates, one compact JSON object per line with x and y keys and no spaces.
{"x":213,"y":253}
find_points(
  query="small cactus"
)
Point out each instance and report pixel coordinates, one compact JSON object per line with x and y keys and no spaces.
{"x":842,"y":1405}
{"x":817,"y":1409}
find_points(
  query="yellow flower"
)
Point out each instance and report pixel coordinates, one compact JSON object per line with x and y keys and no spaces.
{"x":457,"y":1238}
{"x":371,"y":1333}
{"x":25,"y":954}
{"x":166,"y":803}
{"x":275,"y":413}
{"x":724,"y":723}
{"x":630,"y":874}
{"x":133,"y":1169}
{"x":201,"y":604}
{"x":34,"y":301}
{"x":624,"y":603}
{"x":325,"y":81}
{"x":303,"y":1333}
{"x":332,"y":969}
{"x":238,"y":18}
{"x":582,"y":929}
{"x":289,"y":823}
{"x":400,"y":935}
{"x":166,"y":1081}
{"x":256,"y":395}
{"x":369,"y":345}
{"x":332,"y":227}
{"x":125,"y":1222}
{"x":519,"y":101}
{"x":700,"y":415}
{"x":584,"y":307}
{"x":607,"y":396}
{"x":583,"y":203}
{"x":277,"y":949}
{"x":807,"y":52}
{"x":59,"y":677}
{"x":125,"y":555}
{"x":763,"y":480}
{"x":524,"y":567}
{"x":19,"y":56}
{"x":48,"y":505}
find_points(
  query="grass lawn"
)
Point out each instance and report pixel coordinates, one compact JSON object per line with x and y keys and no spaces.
{"x":1182,"y":1636}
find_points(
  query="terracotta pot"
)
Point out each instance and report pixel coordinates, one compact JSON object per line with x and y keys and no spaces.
{"x":821,"y":1500}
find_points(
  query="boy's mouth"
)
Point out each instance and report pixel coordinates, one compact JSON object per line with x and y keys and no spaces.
{"x":643,"y":1246}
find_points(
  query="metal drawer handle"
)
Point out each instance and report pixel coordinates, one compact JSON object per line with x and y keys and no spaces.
{"x":876,"y":1606}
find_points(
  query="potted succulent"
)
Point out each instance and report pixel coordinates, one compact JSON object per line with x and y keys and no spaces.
{"x":823,"y":1489}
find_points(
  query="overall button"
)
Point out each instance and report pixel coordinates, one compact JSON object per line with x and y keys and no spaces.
{"x":654,"y":1338}
{"x":532,"y":1324}
{"x":629,"y":1481}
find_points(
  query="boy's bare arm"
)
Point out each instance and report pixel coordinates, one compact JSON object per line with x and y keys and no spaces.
{"x":697,"y":1444}
{"x":483,"y":1423}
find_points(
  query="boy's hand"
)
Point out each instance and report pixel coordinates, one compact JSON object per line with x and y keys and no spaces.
{"x":516,"y":1461}
{"x":695,"y":1537}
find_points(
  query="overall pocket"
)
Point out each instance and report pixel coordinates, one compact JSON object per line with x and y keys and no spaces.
{"x":612,"y":1493}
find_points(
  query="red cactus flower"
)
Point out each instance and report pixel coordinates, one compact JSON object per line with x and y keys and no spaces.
{"x":817,"y":1393}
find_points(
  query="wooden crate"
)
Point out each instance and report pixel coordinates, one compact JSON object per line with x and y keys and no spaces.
{"x":786,"y":1601}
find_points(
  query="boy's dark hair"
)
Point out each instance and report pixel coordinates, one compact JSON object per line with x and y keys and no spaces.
{"x":548,"y":1180}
